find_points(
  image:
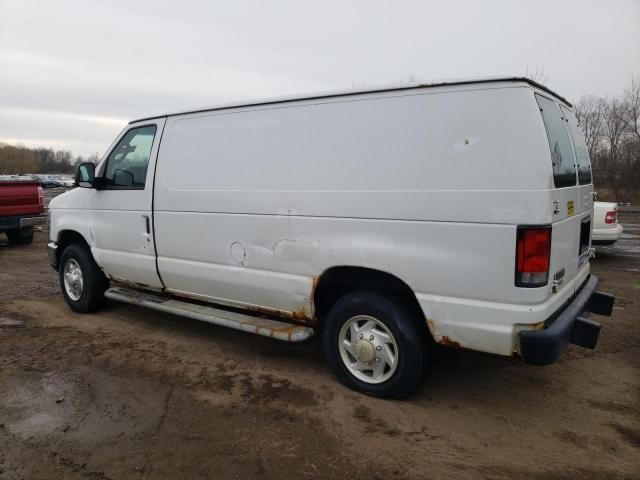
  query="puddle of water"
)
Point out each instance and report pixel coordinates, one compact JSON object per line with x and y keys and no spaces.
{"x":33,"y":406}
{"x":88,"y":408}
{"x":39,"y":423}
{"x":624,"y":247}
{"x":635,"y":249}
{"x":10,"y":323}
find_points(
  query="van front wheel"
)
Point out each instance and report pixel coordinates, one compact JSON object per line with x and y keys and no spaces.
{"x":375,"y":345}
{"x":83,"y":283}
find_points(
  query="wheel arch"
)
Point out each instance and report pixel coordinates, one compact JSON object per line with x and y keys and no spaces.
{"x":66,"y":238}
{"x":337,"y":281}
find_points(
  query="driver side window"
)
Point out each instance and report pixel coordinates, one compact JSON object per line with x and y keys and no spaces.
{"x":127,"y":164}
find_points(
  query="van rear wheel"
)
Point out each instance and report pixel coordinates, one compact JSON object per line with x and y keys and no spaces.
{"x":375,"y":345}
{"x":83,"y":283}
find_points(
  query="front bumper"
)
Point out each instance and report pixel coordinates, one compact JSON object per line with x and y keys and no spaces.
{"x":52,"y":253}
{"x":568,"y":325}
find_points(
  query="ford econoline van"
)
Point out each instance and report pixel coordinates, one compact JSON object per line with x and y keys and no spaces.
{"x":386,"y":220}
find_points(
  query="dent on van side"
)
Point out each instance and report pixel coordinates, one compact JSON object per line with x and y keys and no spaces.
{"x":384,"y":220}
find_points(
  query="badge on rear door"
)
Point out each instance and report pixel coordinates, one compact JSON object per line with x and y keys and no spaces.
{"x":570,"y":207}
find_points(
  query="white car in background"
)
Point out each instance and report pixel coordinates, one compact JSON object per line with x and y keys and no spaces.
{"x":606,"y":229}
{"x":67,"y":182}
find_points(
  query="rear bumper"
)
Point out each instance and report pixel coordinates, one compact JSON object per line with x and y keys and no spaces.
{"x":33,"y":221}
{"x":568,"y":325}
{"x":607,"y":234}
{"x":16,"y":223}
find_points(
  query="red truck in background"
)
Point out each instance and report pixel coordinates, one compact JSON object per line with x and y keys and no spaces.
{"x":21,"y":208}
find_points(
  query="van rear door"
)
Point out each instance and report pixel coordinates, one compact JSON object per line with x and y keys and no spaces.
{"x":583,"y":162}
{"x":572,"y":201}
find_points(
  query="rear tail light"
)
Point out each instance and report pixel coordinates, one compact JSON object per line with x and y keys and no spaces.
{"x":533,"y":250}
{"x":40,"y":198}
{"x":611,"y":217}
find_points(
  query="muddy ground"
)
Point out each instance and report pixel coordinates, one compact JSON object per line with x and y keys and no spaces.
{"x":132,"y":394}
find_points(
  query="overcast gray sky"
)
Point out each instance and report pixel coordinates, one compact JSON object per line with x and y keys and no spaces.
{"x":73,"y":72}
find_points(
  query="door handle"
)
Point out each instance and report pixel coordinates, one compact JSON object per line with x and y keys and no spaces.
{"x":147,"y":225}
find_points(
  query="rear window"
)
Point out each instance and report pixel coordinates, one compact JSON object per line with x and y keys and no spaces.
{"x":579,"y":147}
{"x":564,"y":169}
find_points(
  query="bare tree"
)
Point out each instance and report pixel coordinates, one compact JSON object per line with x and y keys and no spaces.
{"x":614,"y":125}
{"x":589,"y":115}
{"x":20,"y":159}
{"x":538,"y":75}
{"x":632,"y":102}
{"x":17,"y":160}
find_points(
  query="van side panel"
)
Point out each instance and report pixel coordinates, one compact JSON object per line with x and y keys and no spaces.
{"x":252,"y":204}
{"x":283,"y":160}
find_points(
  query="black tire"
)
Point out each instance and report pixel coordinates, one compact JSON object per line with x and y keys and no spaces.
{"x":402,"y":320}
{"x":94,"y":281}
{"x":24,"y":236}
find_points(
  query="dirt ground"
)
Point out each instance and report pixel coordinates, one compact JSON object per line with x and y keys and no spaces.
{"x":132,"y":394}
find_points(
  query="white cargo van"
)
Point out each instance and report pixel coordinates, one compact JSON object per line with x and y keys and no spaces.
{"x":457,"y":213}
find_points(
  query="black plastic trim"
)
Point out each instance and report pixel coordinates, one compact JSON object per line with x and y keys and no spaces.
{"x":153,"y":204}
{"x":570,"y":325}
{"x":601,"y":303}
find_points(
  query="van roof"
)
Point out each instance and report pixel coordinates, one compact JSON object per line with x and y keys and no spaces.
{"x":379,"y":89}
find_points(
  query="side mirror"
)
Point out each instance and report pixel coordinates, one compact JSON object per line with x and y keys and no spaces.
{"x":86,"y":175}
